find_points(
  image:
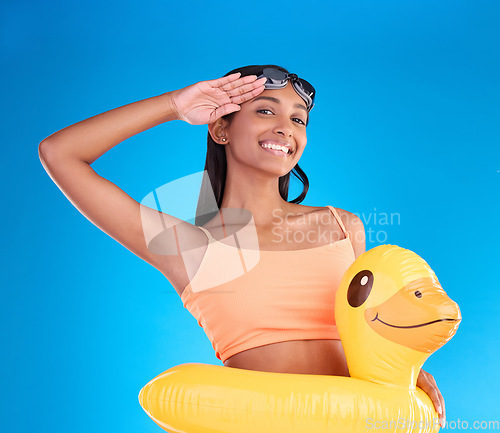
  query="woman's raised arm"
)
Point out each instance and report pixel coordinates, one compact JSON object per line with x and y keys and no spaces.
{"x":67,"y":155}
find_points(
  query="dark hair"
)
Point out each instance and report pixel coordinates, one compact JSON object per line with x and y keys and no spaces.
{"x":216,"y":165}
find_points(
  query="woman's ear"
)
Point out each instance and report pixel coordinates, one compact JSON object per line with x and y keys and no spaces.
{"x":217,"y":131}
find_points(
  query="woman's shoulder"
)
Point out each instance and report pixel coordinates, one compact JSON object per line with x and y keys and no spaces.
{"x":348,"y":218}
{"x":356,"y":230}
{"x":352,"y":223}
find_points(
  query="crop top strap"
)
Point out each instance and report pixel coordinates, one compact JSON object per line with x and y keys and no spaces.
{"x":209,"y":236}
{"x":337,"y":217}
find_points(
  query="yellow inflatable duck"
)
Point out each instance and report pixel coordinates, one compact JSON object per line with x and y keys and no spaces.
{"x":391,"y":314}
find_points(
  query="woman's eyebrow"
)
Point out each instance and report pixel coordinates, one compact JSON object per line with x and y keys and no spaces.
{"x":269,"y":98}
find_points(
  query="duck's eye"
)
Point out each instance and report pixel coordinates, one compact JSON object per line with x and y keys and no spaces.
{"x":418,"y":294}
{"x":360,"y":288}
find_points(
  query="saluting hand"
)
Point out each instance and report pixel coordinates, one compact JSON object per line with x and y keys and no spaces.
{"x":206,"y":101}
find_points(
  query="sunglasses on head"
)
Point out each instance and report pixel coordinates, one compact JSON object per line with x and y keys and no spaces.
{"x":277,"y":79}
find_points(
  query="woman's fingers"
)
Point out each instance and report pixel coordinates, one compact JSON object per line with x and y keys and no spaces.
{"x":239,"y":89}
{"x":218,"y":82}
{"x":427,"y":383}
{"x":439,"y":396}
{"x":241,"y":94}
{"x":239,"y":99}
{"x":244,"y":88}
{"x":231,"y":81}
{"x":240,"y":82}
{"x":206,"y":101}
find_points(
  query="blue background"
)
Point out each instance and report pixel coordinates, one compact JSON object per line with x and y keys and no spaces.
{"x":407,"y":121}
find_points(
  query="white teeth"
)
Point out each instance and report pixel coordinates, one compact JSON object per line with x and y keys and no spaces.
{"x":276,"y":147}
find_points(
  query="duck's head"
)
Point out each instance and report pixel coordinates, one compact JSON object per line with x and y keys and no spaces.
{"x":392,"y":313}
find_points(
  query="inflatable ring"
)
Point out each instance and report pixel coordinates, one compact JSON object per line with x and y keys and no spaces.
{"x":391,"y":314}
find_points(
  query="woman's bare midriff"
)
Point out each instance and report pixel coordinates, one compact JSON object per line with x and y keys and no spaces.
{"x":325,"y":357}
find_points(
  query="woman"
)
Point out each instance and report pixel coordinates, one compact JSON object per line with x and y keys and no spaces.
{"x":257,"y":118}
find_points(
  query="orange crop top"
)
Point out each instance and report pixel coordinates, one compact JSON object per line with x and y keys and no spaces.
{"x":286,"y":295}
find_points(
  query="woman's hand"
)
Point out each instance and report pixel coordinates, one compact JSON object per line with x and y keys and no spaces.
{"x":206,"y":101}
{"x":426,"y":382}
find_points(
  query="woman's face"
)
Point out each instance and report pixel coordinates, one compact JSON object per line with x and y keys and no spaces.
{"x":274,"y":117}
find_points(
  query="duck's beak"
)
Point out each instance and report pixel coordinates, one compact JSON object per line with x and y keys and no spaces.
{"x":420,"y":316}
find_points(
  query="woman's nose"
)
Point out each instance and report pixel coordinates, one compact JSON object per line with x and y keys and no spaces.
{"x":283,"y":128}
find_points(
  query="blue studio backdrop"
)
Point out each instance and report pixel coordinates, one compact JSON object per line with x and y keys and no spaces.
{"x":405,"y":134}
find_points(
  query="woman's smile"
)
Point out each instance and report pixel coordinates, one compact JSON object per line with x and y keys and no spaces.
{"x":276,"y":147}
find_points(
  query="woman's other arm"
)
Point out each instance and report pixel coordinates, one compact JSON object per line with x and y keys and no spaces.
{"x":427,"y":383}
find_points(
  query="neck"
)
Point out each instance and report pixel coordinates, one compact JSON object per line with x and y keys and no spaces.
{"x":254,"y":191}
{"x":401,"y":369}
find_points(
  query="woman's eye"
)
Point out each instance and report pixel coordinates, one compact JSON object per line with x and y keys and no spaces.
{"x":295,"y":119}
{"x":260,"y":111}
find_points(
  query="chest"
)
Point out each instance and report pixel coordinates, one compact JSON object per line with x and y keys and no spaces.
{"x":280,"y":234}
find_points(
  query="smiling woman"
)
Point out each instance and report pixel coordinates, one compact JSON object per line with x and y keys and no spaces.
{"x":274,"y":311}
{"x":265,"y":108}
